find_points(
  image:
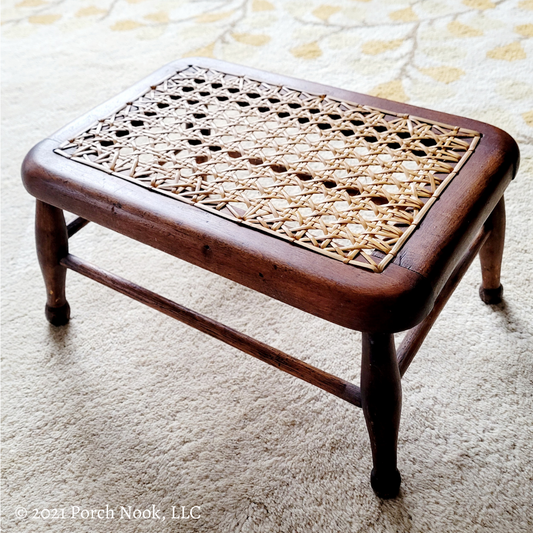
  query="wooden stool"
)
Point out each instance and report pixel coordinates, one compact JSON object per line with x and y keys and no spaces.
{"x":358,"y":210}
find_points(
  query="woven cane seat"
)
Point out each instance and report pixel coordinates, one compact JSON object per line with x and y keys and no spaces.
{"x":350,"y":207}
{"x":347,"y":180}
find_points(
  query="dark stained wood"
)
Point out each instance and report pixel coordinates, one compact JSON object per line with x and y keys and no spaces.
{"x":381,"y":398}
{"x":328,"y":382}
{"x":415,"y":337}
{"x":52,"y":246}
{"x":393,"y":300}
{"x":491,"y":254}
{"x":76,"y":225}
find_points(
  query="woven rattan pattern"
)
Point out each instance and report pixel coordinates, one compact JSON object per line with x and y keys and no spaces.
{"x":347,"y":180}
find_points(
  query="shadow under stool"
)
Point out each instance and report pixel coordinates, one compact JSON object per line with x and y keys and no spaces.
{"x":361,"y":211}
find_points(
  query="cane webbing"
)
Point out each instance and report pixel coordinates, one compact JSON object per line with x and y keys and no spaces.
{"x":346,"y":180}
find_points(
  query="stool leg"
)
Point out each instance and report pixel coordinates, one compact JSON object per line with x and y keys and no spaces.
{"x":490,"y":255}
{"x":381,"y":398}
{"x":52,"y":245}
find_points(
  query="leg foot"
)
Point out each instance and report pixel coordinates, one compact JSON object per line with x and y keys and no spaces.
{"x":381,"y":398}
{"x":386,"y":487}
{"x":491,"y":296}
{"x":58,"y":316}
{"x":52,"y":245}
{"x":490,"y":256}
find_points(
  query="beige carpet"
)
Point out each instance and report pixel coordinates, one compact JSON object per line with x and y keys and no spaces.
{"x":125,"y":407}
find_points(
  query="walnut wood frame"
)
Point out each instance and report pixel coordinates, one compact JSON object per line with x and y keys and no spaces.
{"x":408,"y":295}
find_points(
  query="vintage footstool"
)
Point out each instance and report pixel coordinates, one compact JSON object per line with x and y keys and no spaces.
{"x":361,"y":211}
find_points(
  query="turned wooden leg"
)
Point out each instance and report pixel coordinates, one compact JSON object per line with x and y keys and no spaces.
{"x":52,"y":245}
{"x":490,"y":255}
{"x":381,"y":398}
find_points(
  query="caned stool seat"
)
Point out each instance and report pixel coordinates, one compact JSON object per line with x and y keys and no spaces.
{"x":359,"y":210}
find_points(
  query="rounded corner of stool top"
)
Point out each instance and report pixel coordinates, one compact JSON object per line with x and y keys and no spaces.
{"x":401,"y":302}
{"x":31,"y":169}
{"x":35,"y":169}
{"x":390,"y":301}
{"x":506,"y":146}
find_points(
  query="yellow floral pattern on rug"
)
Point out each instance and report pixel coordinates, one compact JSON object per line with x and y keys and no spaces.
{"x":426,"y":53}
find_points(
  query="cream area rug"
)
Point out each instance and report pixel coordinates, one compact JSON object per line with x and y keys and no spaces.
{"x":126,"y":417}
